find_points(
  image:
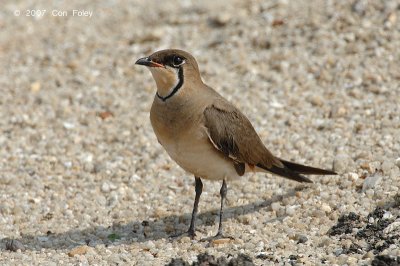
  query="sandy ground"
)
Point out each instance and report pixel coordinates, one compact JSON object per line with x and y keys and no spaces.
{"x":83,"y":179}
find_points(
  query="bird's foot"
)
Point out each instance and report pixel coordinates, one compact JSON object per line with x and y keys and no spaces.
{"x":219,"y":238}
{"x":190,"y":233}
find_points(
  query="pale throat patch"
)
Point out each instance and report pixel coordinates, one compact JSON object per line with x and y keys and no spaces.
{"x":166,"y":79}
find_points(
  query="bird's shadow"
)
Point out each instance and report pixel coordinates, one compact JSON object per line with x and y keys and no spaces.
{"x":135,"y":231}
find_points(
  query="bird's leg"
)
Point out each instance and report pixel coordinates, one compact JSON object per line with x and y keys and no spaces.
{"x":220,"y":233}
{"x":222,"y":192}
{"x":199,"y":190}
{"x":192,"y":229}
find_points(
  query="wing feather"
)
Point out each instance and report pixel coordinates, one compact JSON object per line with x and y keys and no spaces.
{"x":232,"y":133}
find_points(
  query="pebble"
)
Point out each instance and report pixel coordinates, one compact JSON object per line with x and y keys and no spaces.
{"x":338,"y":111}
{"x":290,"y":210}
{"x":105,"y":187}
{"x":220,"y":20}
{"x":371,"y":181}
{"x":398,"y":162}
{"x":342,"y":163}
{"x":220,"y":241}
{"x":395,"y":226}
{"x":14,"y":245}
{"x":326,"y":208}
{"x":371,"y":167}
{"x":68,"y":164}
{"x":275,"y":206}
{"x":369,"y":255}
{"x":370,"y":193}
{"x":43,"y":238}
{"x":302,"y":239}
{"x":353,"y":176}
{"x":387,"y":215}
{"x":352,"y":260}
{"x":325,"y":241}
{"x":387,"y":166}
{"x":35,"y":86}
{"x":81,"y":250}
{"x":68,"y":125}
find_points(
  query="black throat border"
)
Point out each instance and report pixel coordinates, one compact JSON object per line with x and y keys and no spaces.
{"x":176,"y":88}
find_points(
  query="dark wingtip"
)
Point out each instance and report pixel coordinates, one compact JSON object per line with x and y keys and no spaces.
{"x":308,"y":170}
{"x":287,"y":173}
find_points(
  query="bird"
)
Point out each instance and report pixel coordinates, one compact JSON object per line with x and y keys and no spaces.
{"x":205,"y":134}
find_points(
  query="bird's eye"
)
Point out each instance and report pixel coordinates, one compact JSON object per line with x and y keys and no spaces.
{"x":177,"y":61}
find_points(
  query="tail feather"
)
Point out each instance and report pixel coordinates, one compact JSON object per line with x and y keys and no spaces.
{"x":294,"y":171}
{"x":308,"y":170}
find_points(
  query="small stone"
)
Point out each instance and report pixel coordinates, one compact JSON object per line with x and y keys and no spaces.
{"x":98,"y":167}
{"x":392,"y":227}
{"x":81,"y":250}
{"x":325,"y":241}
{"x":220,"y":20}
{"x":371,"y":167}
{"x":43,"y":238}
{"x":338,"y":252}
{"x":14,"y":245}
{"x":371,"y":181}
{"x":318,"y":213}
{"x":220,"y":241}
{"x":338,"y":111}
{"x":387,"y":166}
{"x":341,"y":163}
{"x":370,"y":193}
{"x":326,"y":208}
{"x":359,"y":7}
{"x":105,"y":114}
{"x":95,"y":242}
{"x":105,"y":187}
{"x":88,"y":167}
{"x":35,"y":86}
{"x":68,"y":125}
{"x":369,"y":255}
{"x":353,"y":176}
{"x":302,"y":239}
{"x":290,"y":210}
{"x":275,"y":206}
{"x":391,"y":19}
{"x":398,"y":162}
{"x":184,"y":239}
{"x":149,"y":245}
{"x":316,"y":100}
{"x":387,"y":215}
{"x":352,"y":260}
{"x":277,"y":22}
{"x":262,"y":256}
{"x":134,"y":178}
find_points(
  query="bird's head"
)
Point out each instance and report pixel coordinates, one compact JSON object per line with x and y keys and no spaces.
{"x":171,"y":69}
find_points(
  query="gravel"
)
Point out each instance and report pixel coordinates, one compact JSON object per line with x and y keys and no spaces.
{"x":83,"y":179}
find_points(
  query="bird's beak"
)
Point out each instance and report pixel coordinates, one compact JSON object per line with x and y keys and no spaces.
{"x":146,"y":61}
